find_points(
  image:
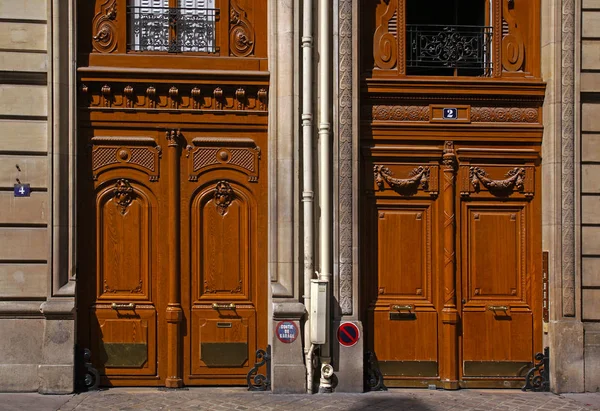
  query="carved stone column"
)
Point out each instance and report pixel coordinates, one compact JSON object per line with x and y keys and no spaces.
{"x":449,"y":348}
{"x":174,"y":313}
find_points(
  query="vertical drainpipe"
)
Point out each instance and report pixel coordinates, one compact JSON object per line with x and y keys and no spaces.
{"x":325,"y":193}
{"x":307,"y":177}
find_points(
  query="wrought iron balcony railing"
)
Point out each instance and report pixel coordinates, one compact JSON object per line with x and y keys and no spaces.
{"x":449,"y":47}
{"x":172,"y":29}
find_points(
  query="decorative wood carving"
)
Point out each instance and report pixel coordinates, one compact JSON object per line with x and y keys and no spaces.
{"x":164,"y":97}
{"x":385,"y":43}
{"x":137,"y":290}
{"x":124,"y":195}
{"x":478,"y":114}
{"x":448,"y":365}
{"x":513,"y":181}
{"x":141,"y":153}
{"x":104,"y":27}
{"x":418,"y":178}
{"x":239,"y":153}
{"x":129,"y":96}
{"x":241,"y":32}
{"x":223,"y":196}
{"x":513,"y":46}
{"x":519,"y":179}
{"x":400,"y":113}
{"x":504,"y":115}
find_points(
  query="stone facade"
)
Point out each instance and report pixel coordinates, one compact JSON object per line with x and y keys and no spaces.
{"x":570,"y":220}
{"x":36,"y":296}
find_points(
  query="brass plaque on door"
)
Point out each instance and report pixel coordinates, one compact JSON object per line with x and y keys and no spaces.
{"x":408,"y":368}
{"x":224,"y":354}
{"x":496,"y":368}
{"x":126,"y":355}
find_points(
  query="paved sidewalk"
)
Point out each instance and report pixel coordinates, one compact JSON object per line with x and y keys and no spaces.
{"x":226,"y":399}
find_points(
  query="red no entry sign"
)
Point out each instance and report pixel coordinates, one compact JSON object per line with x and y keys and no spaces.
{"x":348,"y":334}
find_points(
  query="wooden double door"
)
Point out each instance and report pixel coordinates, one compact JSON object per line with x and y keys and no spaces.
{"x":172,"y":255}
{"x":451,"y":248}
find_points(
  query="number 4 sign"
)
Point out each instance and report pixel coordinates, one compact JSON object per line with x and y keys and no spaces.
{"x":22,"y":190}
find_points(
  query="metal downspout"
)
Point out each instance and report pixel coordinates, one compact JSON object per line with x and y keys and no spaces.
{"x":325,"y":194}
{"x":307,"y":177}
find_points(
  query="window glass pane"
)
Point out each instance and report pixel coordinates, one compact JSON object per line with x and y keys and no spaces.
{"x":196,"y":26}
{"x":149,"y":25}
{"x":448,"y":37}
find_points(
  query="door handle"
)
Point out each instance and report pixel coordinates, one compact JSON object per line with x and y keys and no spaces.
{"x":495,"y":308}
{"x":230,"y":306}
{"x":122,"y":306}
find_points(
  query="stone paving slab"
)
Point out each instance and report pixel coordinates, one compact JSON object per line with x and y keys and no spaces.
{"x":226,"y":399}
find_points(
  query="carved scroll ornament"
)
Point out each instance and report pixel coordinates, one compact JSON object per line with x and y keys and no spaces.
{"x":385,"y":44}
{"x":105,"y":29}
{"x":241,"y":32}
{"x":123,"y":194}
{"x":513,"y":47}
{"x":223,"y":196}
{"x":514,"y":181}
{"x":418,"y":178}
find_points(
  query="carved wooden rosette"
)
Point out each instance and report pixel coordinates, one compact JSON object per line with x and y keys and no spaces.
{"x":104,"y":27}
{"x":449,"y":369}
{"x":517,"y":179}
{"x":207,"y":153}
{"x":139,"y":153}
{"x":513,"y":46}
{"x":420,"y":178}
{"x":241,"y":32}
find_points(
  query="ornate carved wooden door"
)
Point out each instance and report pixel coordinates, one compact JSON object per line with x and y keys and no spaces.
{"x":452,"y":263}
{"x":127,"y":275}
{"x":121,"y":256}
{"x":224,"y":256}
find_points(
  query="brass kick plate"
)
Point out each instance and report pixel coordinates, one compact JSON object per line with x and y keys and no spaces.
{"x":408,"y":368}
{"x":224,"y":354}
{"x":126,"y":355}
{"x":496,"y":368}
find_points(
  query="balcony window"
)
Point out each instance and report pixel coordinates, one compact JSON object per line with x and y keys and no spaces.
{"x":174,"y":26}
{"x":448,"y":38}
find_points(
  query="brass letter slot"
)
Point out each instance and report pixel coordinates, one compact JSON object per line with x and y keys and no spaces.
{"x":223,"y":325}
{"x":408,"y":307}
{"x":499,"y":310}
{"x":230,"y":306}
{"x":402,"y":312}
{"x":117,"y":306}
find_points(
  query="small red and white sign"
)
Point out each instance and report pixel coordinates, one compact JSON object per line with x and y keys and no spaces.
{"x":287,"y":332}
{"x":348,"y":334}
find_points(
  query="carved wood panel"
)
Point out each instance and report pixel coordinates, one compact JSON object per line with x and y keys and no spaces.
{"x":404,"y":253}
{"x":223,"y":210}
{"x":124,"y":342}
{"x":221,"y":231}
{"x":496,"y":245}
{"x":126,"y":241}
